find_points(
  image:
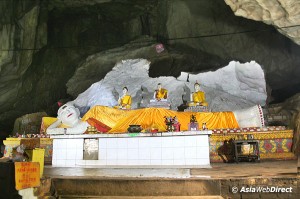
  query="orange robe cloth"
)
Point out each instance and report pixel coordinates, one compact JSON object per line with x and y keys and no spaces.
{"x":161,"y":94}
{"x":125,"y":101}
{"x":198,"y":97}
{"x":119,"y":120}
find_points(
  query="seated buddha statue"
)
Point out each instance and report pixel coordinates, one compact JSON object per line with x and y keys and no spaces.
{"x":124,"y":102}
{"x":198,"y":97}
{"x":160,"y":93}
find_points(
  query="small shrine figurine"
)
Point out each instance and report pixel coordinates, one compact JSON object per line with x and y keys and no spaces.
{"x":193,"y":119}
{"x":160,"y":93}
{"x":176,"y":124}
{"x":193,"y":125}
{"x":204,"y":126}
{"x":172,"y":123}
{"x":19,"y":154}
{"x":198,"y":97}
{"x":124,"y":102}
{"x":169,"y":123}
{"x":160,"y":98}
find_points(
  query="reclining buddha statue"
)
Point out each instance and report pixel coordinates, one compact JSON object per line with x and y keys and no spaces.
{"x":111,"y":120}
{"x":69,"y":122}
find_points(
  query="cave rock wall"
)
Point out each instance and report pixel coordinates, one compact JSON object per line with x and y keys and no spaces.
{"x":233,"y":87}
{"x":283,"y":14}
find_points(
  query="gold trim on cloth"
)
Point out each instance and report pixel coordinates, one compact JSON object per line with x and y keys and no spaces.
{"x":263,"y":156}
{"x":268,"y":135}
{"x":288,"y":155}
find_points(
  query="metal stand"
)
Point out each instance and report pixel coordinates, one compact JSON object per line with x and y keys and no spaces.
{"x":246,"y":150}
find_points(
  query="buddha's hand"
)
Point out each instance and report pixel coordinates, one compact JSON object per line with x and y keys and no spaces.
{"x":55,"y":131}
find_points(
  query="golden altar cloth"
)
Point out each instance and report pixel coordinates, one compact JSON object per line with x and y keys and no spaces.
{"x":119,"y":120}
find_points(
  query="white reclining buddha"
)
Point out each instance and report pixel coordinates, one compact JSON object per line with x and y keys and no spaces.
{"x":69,"y":122}
{"x":111,"y":120}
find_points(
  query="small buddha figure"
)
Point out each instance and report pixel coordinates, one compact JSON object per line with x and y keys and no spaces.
{"x":198,"y":97}
{"x":160,"y":93}
{"x":124,"y":102}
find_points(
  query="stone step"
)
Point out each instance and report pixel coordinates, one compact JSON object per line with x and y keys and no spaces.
{"x":136,"y":188}
{"x":123,"y":188}
{"x":143,"y":197}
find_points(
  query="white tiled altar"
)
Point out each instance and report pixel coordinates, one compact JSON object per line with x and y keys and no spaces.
{"x":171,"y":149}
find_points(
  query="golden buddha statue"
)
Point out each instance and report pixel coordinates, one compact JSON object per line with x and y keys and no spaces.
{"x":198,"y":97}
{"x":124,"y":102}
{"x":160,"y":93}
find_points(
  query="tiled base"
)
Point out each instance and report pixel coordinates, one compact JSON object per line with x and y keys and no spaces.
{"x":153,"y":151}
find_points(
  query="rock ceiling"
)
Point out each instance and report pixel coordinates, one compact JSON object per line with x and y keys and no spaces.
{"x":43,"y":43}
{"x":282,"y":14}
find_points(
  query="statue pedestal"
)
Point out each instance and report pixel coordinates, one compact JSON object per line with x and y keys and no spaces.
{"x":193,"y":126}
{"x":196,"y":109}
{"x":160,"y":104}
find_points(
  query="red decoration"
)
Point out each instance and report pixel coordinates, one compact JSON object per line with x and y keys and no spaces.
{"x":98,"y":125}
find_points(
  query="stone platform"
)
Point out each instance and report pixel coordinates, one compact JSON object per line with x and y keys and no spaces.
{"x":217,"y":182}
{"x":196,"y":109}
{"x":188,"y":149}
{"x":160,"y":104}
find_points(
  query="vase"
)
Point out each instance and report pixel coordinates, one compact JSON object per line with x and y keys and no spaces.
{"x":134,"y":128}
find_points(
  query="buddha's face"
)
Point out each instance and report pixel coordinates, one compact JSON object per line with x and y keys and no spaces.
{"x":124,"y":91}
{"x":158,"y":86}
{"x":197,"y":87}
{"x":68,"y":114}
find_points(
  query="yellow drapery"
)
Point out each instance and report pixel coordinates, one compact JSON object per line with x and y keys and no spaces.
{"x":119,"y":120}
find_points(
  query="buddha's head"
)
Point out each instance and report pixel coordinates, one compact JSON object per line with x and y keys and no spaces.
{"x":125,"y":90}
{"x":68,"y":114}
{"x":158,"y":86}
{"x":197,"y":87}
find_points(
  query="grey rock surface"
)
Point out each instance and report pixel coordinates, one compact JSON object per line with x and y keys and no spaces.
{"x":283,"y":14}
{"x":44,"y":42}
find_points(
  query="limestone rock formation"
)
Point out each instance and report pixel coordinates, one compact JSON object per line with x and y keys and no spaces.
{"x":44,"y":42}
{"x":291,"y":109}
{"x":19,"y":29}
{"x":283,"y":14}
{"x":233,"y":39}
{"x":296,"y":141}
{"x":95,"y":67}
{"x":29,"y":123}
{"x":233,"y":87}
